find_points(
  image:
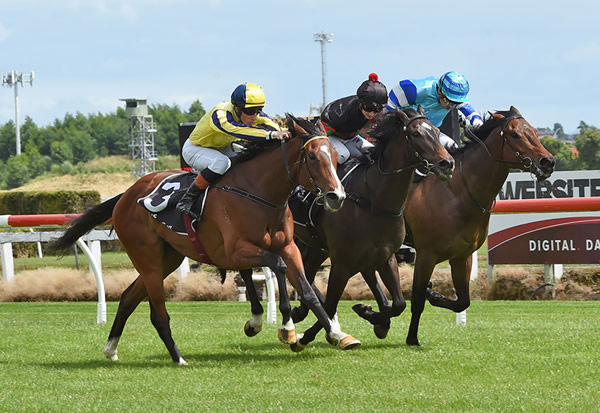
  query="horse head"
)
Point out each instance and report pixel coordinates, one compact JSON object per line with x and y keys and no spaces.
{"x":521,"y":144}
{"x":319,"y":159}
{"x":423,"y":140}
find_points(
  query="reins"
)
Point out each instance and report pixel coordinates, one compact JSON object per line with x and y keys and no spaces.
{"x":366,"y":203}
{"x":248,"y":195}
{"x":524,"y":161}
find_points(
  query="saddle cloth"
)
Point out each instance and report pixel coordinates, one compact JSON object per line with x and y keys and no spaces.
{"x":162,"y":200}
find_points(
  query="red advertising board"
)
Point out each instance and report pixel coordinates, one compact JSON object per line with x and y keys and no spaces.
{"x":551,"y":238}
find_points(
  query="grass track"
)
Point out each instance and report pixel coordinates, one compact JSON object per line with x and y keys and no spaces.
{"x":511,"y":356}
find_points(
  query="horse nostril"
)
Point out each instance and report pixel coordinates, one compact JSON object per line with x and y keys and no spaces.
{"x":547,"y":163}
{"x":332,"y":197}
{"x":447,"y":164}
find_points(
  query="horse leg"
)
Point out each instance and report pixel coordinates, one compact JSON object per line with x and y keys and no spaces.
{"x":295,"y":274}
{"x":254,"y":325}
{"x":130,"y":299}
{"x":312,"y":260}
{"x":159,"y":315}
{"x":335,"y":288}
{"x":287,"y":331}
{"x":391,"y":278}
{"x":366,"y":311}
{"x":461,"y":271}
{"x":424,"y":265}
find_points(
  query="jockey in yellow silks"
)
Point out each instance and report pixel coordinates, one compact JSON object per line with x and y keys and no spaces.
{"x":208,"y":148}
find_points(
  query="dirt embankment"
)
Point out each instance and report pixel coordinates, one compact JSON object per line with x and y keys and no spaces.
{"x":59,"y":284}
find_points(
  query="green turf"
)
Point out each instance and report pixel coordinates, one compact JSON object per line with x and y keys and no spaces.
{"x":511,"y":356}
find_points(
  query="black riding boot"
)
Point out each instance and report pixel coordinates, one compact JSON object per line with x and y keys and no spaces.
{"x":184,"y":205}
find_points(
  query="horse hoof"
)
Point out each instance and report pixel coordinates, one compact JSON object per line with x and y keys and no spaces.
{"x":362,"y":310}
{"x":297,"y":347}
{"x":412,"y":341}
{"x":249,"y":330}
{"x":113,"y":357}
{"x":182,"y":362}
{"x":381,"y":331}
{"x":287,"y":336}
{"x":348,"y":343}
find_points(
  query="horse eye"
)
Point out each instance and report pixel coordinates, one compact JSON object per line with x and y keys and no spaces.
{"x":416,"y":134}
{"x":312,"y":156}
{"x":514,"y":135}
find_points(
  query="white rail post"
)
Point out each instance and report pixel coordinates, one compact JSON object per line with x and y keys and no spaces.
{"x":97,"y":271}
{"x":271,"y":303}
{"x":8,"y":264}
{"x":184,"y":268}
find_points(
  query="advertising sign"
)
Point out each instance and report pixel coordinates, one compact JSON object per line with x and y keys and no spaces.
{"x":561,"y":184}
{"x":546,"y":238}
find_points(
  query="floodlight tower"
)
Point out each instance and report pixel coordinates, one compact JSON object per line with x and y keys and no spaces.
{"x":323,"y":38}
{"x":13,"y":79}
{"x":142,"y":130}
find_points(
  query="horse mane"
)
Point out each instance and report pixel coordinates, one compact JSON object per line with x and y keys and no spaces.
{"x":483,"y":131}
{"x":311,"y":128}
{"x":387,"y":126}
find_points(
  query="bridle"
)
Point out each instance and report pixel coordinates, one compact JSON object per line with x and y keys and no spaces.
{"x":525,"y":162}
{"x":421,"y":160}
{"x":316,"y":190}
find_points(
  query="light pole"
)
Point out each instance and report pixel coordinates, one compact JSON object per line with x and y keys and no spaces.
{"x":323,"y":38}
{"x":13,"y":79}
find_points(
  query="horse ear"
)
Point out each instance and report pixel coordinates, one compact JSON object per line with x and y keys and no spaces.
{"x":515,"y":111}
{"x":403,"y":116}
{"x":293,"y":126}
{"x":497,"y":116}
{"x":421,"y":110}
{"x":321,"y":128}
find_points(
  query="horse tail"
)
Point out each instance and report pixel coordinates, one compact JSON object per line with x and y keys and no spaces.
{"x":80,"y":226}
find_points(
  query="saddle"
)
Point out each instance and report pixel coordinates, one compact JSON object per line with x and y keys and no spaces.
{"x":162,"y":200}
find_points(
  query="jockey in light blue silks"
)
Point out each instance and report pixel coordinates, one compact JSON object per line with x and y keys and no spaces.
{"x":437,"y":96}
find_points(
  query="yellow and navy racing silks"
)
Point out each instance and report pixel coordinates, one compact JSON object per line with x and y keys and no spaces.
{"x":221,"y":126}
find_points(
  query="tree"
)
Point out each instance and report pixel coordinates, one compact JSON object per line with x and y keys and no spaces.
{"x":8,"y":141}
{"x":559,"y":132}
{"x":195,"y":112}
{"x":60,"y":152}
{"x":167,"y":121}
{"x":561,"y":153}
{"x":588,"y":145}
{"x":17,"y":171}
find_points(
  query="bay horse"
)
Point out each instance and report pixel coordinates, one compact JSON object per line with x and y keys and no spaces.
{"x":249,"y":225}
{"x":369,"y":228}
{"x":449,"y":219}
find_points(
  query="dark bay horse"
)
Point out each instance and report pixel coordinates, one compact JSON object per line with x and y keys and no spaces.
{"x":237,"y":232}
{"x":369,"y":227}
{"x":449,"y":219}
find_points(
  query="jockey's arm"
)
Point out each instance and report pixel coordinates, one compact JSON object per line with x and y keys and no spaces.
{"x":224,"y":121}
{"x":468,"y":116}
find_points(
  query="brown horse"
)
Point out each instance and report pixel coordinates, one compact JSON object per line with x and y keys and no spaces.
{"x":369,"y":228}
{"x":247,"y":226}
{"x":449,"y":219}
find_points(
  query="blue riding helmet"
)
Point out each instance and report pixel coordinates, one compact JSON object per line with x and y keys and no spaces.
{"x":454,"y":86}
{"x":248,"y":95}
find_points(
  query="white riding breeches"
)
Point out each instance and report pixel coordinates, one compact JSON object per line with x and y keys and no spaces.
{"x":349,"y":148}
{"x":199,"y":157}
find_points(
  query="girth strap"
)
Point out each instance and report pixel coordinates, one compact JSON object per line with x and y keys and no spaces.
{"x":195,"y":240}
